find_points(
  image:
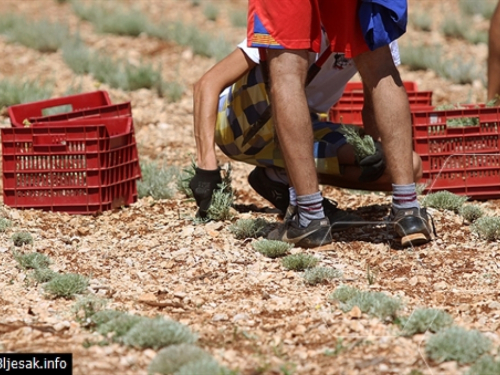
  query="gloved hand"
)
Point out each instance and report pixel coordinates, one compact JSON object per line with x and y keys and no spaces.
{"x":203,"y":185}
{"x":373,"y":166}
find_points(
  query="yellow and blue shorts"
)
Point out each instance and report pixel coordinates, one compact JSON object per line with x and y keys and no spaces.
{"x":242,"y":105}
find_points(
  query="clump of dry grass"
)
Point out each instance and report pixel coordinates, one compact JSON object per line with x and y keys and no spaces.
{"x":423,"y":320}
{"x":66,"y":285}
{"x":271,"y":248}
{"x":158,"y":333}
{"x":248,"y":228}
{"x":32,"y":260}
{"x":376,"y":304}
{"x":487,"y":227}
{"x":22,"y":238}
{"x":457,"y":344}
{"x":317,"y":275}
{"x":444,"y":200}
{"x":299,"y":262}
{"x":363,"y":146}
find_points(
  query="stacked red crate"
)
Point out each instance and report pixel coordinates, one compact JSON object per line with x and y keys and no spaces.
{"x":75,"y":154}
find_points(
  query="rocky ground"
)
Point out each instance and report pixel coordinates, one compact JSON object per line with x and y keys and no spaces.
{"x":249,"y":312}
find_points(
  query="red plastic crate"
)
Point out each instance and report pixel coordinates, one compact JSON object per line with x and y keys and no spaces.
{"x":81,"y":166}
{"x":464,"y":160}
{"x":351,"y":114}
{"x":72,"y":103}
{"x":113,"y":110}
{"x":358,"y":86}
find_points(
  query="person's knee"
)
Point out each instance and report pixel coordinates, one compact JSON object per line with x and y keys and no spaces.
{"x":417,"y":167}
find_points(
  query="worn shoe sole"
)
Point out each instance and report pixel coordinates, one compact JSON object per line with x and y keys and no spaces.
{"x":414,"y":239}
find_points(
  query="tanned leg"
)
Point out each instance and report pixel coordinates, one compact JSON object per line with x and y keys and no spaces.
{"x":288,"y":71}
{"x":494,"y":55}
{"x":391,"y":111}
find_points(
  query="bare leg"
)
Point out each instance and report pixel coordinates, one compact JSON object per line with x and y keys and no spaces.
{"x":391,"y":111}
{"x":288,"y":71}
{"x":494,"y":55}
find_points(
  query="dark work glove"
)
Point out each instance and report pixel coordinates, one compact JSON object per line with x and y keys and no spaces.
{"x":203,"y":185}
{"x":373,"y":166}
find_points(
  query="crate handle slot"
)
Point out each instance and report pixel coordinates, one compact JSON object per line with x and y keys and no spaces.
{"x":54,"y":141}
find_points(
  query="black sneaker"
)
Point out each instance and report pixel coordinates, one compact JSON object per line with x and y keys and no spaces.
{"x":413,"y":225}
{"x":339,"y":219}
{"x":275,"y":192}
{"x":317,"y":233}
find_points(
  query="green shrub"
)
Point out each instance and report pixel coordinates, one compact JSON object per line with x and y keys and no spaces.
{"x":363,"y":146}
{"x":4,"y":223}
{"x":87,"y":13}
{"x":299,"y":262}
{"x":421,"y":21}
{"x":185,"y":178}
{"x":471,"y":212}
{"x":172,"y":91}
{"x":272,"y":249}
{"x":158,"y":333}
{"x":487,"y":228}
{"x":484,"y":8}
{"x":119,"y":21}
{"x":477,"y":37}
{"x":201,"y":43}
{"x":455,"y":27}
{"x":22,"y":238}
{"x":66,"y":285}
{"x":345,"y":293}
{"x":77,"y":56}
{"x":376,"y":304}
{"x":211,"y":12}
{"x":31,"y":260}
{"x":43,"y":275}
{"x":317,"y":275}
{"x":444,"y":200}
{"x":248,"y":228}
{"x":119,"y":325}
{"x":141,"y":76}
{"x":238,"y":18}
{"x":170,"y":359}
{"x":103,"y":316}
{"x":457,"y":344}
{"x":9,"y":21}
{"x":205,"y":366}
{"x":423,"y":320}
{"x":158,"y":181}
{"x":42,"y":35}
{"x":222,"y":199}
{"x":486,"y":365}
{"x":86,"y":307}
{"x":420,"y":57}
{"x":14,"y":91}
{"x":123,"y":75}
{"x":459,"y":70}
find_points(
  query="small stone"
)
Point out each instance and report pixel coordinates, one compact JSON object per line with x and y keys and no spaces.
{"x":355,"y":313}
{"x":220,"y":318}
{"x":241,"y":316}
{"x":440,"y":286}
{"x":83,"y":231}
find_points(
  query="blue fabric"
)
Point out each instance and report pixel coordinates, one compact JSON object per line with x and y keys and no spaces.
{"x":382,"y":21}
